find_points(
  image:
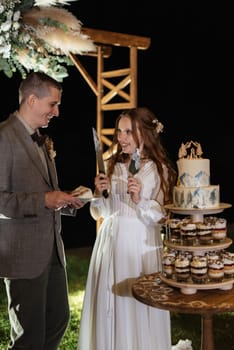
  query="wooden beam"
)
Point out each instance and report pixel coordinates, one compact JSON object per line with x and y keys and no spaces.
{"x":83,"y":72}
{"x":106,"y":51}
{"x":117,"y":39}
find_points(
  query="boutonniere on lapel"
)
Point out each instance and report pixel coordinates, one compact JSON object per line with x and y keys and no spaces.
{"x":49,"y":144}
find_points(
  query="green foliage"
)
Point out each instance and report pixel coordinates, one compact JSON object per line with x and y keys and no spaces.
{"x":224,"y":330}
{"x":23,"y":49}
{"x":5,"y":66}
{"x":4,"y":324}
{"x":46,"y":21}
{"x":77,"y":268}
{"x":185,"y":326}
{"x":24,"y":5}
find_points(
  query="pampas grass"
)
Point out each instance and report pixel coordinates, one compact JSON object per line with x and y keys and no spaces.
{"x":52,"y":2}
{"x":59,"y":28}
{"x":40,"y":35}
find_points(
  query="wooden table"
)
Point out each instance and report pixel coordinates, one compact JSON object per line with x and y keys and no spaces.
{"x":151,"y":290}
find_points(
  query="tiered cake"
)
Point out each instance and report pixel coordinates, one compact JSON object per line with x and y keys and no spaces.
{"x":193,"y":189}
{"x":194,"y":255}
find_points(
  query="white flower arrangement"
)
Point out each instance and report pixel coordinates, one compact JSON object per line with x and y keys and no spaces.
{"x":183,"y":345}
{"x":158,"y":126}
{"x":39,"y":35}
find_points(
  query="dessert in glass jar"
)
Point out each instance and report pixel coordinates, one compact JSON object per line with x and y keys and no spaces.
{"x":168,"y":261}
{"x":219,"y":231}
{"x":228,"y":262}
{"x":188,"y":233}
{"x":182,"y":268}
{"x":204,"y":233}
{"x":199,"y":268}
{"x":174,"y":230}
{"x":215,"y":270}
{"x":219,"y":227}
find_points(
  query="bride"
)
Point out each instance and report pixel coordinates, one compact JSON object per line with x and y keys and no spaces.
{"x":139,"y":180}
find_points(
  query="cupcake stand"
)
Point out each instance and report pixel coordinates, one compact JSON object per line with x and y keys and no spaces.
{"x":205,"y":299}
{"x":197,"y":215}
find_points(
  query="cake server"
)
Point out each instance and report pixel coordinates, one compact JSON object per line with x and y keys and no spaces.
{"x":99,"y":157}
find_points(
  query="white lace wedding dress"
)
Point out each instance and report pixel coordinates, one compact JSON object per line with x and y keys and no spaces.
{"x":127,"y":246}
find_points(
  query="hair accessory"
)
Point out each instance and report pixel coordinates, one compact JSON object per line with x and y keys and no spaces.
{"x":158,"y":125}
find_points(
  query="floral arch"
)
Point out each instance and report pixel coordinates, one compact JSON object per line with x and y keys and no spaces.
{"x":42,"y":35}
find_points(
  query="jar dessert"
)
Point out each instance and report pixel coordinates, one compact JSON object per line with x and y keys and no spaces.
{"x":199,"y":268}
{"x":168,"y":261}
{"x":182,"y":268}
{"x":174,"y":230}
{"x":228,"y":261}
{"x":188,"y":233}
{"x":204,"y":233}
{"x":215,"y":270}
{"x":219,"y":231}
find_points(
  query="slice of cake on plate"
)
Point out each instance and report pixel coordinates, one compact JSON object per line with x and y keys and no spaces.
{"x":83,"y":193}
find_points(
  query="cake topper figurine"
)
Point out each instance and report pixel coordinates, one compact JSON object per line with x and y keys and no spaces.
{"x":190,"y":150}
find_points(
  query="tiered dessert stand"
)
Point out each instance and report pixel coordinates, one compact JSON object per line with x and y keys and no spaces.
{"x":197,"y":215}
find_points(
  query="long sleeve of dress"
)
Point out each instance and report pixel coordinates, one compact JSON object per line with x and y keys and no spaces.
{"x":149,"y":210}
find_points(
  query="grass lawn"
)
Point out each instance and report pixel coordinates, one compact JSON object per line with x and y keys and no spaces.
{"x":77,"y":267}
{"x":183,"y":326}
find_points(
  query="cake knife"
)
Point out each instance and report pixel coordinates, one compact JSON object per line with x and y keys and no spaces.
{"x":99,"y":157}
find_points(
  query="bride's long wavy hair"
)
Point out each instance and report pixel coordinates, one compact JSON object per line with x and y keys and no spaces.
{"x":150,"y":128}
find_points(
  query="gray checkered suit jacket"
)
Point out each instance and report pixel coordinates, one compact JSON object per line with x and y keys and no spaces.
{"x":27,"y":234}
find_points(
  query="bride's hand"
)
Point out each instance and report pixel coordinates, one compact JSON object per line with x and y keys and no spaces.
{"x":134,"y":189}
{"x":101,"y":183}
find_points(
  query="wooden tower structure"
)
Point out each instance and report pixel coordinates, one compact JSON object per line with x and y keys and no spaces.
{"x":115,"y":89}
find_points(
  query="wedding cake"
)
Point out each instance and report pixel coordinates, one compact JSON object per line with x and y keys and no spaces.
{"x":193,"y":188}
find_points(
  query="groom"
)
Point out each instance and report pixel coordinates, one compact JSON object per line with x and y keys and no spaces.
{"x":31,"y":248}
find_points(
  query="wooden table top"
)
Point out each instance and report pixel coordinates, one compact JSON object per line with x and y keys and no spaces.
{"x":151,"y":290}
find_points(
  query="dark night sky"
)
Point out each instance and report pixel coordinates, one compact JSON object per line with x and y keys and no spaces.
{"x":185,"y":77}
